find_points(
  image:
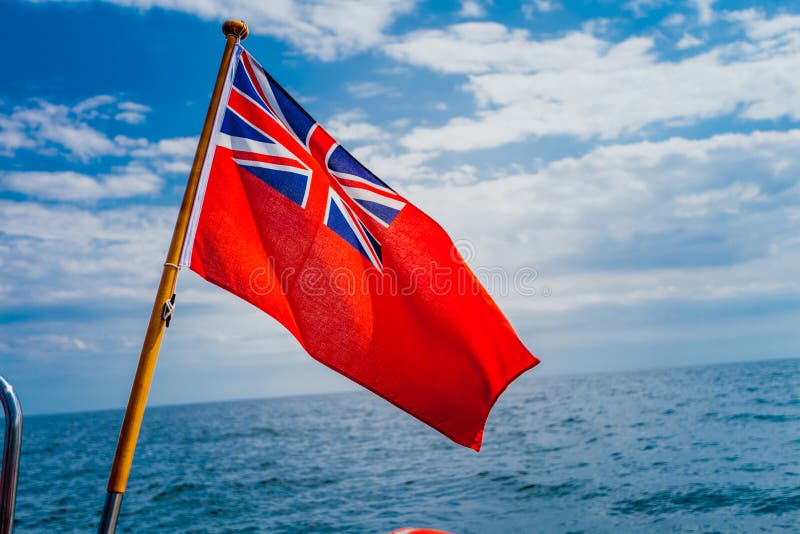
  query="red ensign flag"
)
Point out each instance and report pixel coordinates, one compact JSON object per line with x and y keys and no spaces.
{"x":288,"y":220}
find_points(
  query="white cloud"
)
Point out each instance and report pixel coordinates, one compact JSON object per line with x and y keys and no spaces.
{"x":367,"y":89}
{"x":463,"y":174}
{"x":181,"y":147}
{"x":56,"y":343}
{"x":545,"y":6}
{"x":68,"y":254}
{"x":50,"y":128}
{"x":480,"y":47}
{"x":584,"y":86}
{"x":47,"y":125}
{"x":639,"y":8}
{"x":675,"y":19}
{"x":131,"y":112}
{"x":471,"y":9}
{"x":172,"y":155}
{"x":705,"y":12}
{"x":758,"y":27}
{"x":324,"y":29}
{"x":129,"y":181}
{"x":597,"y":27}
{"x":688,"y":41}
{"x":130,"y":117}
{"x":88,"y":108}
{"x":384,"y":160}
{"x":53,"y":129}
{"x":729,"y":200}
{"x":352,"y":126}
{"x":702,"y":219}
{"x":13,"y":136}
{"x":133,"y":106}
{"x":527,"y":11}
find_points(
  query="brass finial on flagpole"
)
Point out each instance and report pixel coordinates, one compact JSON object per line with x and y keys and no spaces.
{"x":237,"y":28}
{"x":235,"y":31}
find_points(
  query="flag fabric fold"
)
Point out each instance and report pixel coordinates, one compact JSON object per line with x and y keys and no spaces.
{"x":288,"y":220}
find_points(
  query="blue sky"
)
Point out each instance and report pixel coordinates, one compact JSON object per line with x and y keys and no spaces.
{"x":642,"y":157}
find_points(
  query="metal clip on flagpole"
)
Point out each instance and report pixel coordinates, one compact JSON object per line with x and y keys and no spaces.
{"x":234,"y":31}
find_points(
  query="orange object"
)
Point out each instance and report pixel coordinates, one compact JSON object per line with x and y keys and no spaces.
{"x":408,"y":530}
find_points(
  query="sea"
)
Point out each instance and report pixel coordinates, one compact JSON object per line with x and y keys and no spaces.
{"x":696,"y":449}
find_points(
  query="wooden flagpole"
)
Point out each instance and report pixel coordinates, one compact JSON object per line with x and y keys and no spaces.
{"x":234,"y":31}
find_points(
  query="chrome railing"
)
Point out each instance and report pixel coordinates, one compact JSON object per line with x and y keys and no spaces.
{"x":11,"y":450}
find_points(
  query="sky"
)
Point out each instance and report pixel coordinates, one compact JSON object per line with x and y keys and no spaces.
{"x":631,"y":169}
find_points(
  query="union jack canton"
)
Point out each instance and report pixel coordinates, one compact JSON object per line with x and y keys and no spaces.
{"x":356,"y":199}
